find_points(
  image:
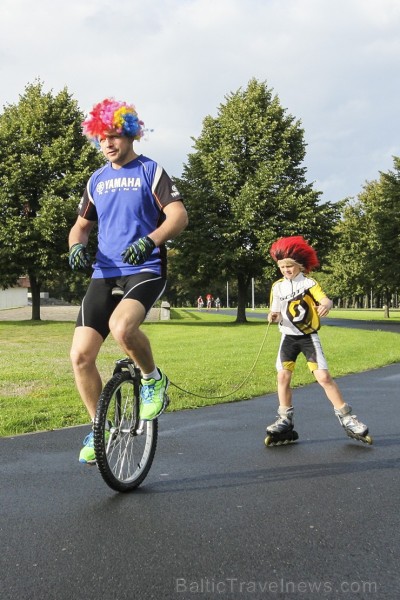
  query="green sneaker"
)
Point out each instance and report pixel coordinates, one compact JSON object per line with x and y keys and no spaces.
{"x":153,"y":397}
{"x":87,"y":454}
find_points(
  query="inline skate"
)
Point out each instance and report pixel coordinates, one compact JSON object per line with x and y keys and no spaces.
{"x":281,"y":432}
{"x":352,"y":426}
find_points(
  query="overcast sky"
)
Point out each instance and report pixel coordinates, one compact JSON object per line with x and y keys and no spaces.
{"x":334,"y":64}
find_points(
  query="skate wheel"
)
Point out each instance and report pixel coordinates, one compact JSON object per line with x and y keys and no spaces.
{"x":273,"y":440}
{"x":368,"y":439}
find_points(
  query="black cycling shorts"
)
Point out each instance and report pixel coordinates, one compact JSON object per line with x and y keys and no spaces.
{"x":308,"y":344}
{"x":99,"y":302}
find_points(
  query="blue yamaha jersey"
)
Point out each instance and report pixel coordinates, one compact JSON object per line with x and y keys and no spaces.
{"x":127,"y":203}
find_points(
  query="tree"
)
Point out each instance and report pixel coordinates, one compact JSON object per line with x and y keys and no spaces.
{"x":368,"y":241}
{"x":346,"y":269}
{"x":244,"y":187}
{"x":44,"y":164}
{"x":382,"y":202}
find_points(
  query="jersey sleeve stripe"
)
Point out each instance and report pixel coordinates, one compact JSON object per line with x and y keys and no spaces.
{"x":156,"y":180}
{"x":88,"y":210}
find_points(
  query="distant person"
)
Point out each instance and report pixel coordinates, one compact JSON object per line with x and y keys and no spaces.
{"x":209,"y":299}
{"x":200,"y":303}
{"x":137,"y":209}
{"x":297,"y":303}
{"x":217,"y":303}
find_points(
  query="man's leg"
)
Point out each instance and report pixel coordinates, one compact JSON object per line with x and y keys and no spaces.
{"x":86,"y":344}
{"x":125,"y":328}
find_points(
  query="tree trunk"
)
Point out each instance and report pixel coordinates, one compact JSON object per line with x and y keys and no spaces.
{"x":386,"y":305}
{"x":35,"y":292}
{"x":243,"y":284}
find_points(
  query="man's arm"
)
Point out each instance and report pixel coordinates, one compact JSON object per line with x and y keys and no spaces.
{"x":77,"y":241}
{"x":80,"y":232}
{"x":175,"y":222}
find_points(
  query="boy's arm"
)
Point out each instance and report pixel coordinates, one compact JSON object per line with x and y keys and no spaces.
{"x":274,"y":317}
{"x":325,"y":305}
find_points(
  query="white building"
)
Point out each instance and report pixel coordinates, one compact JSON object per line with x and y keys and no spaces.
{"x":16,"y":296}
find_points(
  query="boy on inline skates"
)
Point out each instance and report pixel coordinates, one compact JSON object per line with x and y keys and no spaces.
{"x":297,"y":303}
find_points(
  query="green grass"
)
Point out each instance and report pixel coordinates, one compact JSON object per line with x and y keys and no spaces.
{"x":206,"y":354}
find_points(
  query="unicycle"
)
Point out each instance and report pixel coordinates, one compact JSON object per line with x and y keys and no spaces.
{"x":124,"y":445}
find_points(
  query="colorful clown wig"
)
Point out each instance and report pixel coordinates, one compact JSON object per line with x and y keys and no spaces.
{"x":296,"y":249}
{"x":111,"y":115}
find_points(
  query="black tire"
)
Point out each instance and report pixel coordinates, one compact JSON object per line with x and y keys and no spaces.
{"x":123,"y":454}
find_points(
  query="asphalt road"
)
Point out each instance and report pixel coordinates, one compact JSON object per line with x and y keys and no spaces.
{"x":219,"y":515}
{"x":387,"y":325}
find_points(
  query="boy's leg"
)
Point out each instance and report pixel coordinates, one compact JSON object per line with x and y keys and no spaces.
{"x":312,"y":350}
{"x":281,"y":431}
{"x":343,"y":411}
{"x":330,"y":387}
{"x":285,"y":364}
{"x":284,"y":390}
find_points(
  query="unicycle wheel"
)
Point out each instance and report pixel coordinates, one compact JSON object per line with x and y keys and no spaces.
{"x":124,"y":445}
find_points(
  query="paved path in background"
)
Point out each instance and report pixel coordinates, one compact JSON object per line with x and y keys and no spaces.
{"x":55,"y":313}
{"x":69,"y":313}
{"x":387,"y":325}
{"x":47,"y":313}
{"x":219,"y":515}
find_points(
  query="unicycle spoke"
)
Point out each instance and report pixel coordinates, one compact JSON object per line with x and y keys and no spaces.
{"x":124,"y":445}
{"x":127,"y":454}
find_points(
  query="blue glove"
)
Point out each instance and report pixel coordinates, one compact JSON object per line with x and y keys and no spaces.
{"x":79,"y":257}
{"x":138,"y":252}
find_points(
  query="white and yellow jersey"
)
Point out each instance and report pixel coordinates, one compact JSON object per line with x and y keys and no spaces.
{"x":296,"y":300}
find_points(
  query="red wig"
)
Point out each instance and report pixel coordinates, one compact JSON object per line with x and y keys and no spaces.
{"x":297,"y":249}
